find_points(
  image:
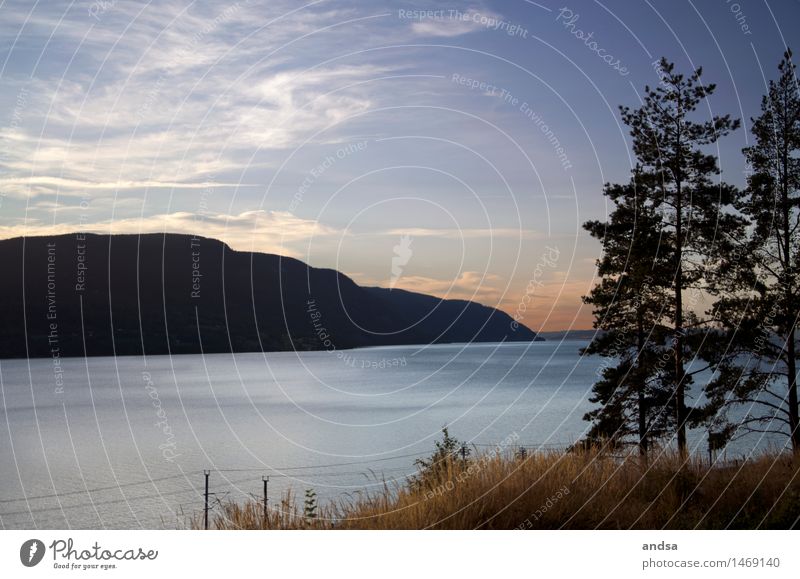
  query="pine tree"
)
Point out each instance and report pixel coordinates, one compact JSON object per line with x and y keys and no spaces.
{"x":761,"y":308}
{"x":628,"y":308}
{"x":668,"y":145}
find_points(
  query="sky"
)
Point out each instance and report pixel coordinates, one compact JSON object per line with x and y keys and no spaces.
{"x":449,"y":148}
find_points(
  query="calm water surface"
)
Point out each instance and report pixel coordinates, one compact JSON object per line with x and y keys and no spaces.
{"x":123,"y":442}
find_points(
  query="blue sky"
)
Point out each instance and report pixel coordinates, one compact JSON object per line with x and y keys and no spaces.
{"x":328,"y":131}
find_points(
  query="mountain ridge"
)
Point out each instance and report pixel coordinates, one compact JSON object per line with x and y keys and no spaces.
{"x":164,"y":293}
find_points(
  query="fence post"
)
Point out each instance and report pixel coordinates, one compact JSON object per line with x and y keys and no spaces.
{"x":266,"y":482}
{"x":205,"y":508}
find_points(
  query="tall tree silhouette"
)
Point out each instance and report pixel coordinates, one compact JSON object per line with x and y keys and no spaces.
{"x":668,"y":145}
{"x":762,"y":309}
{"x":628,"y":309}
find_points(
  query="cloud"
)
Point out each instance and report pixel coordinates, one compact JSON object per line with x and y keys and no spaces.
{"x":277,"y":232}
{"x":60,"y":182}
{"x":289,"y":107}
{"x":484,"y":288}
{"x":552,"y":306}
{"x":176,"y":93}
{"x":466,"y":233}
{"x":451,"y":24}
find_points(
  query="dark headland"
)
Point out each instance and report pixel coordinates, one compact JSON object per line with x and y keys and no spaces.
{"x":99,"y":295}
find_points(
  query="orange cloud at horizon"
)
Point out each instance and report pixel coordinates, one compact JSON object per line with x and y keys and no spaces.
{"x":555,"y":305}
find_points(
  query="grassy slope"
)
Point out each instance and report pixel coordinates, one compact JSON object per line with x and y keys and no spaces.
{"x":561,"y":490}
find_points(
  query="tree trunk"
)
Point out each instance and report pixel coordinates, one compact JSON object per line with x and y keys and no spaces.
{"x":791,"y":363}
{"x":794,"y":422}
{"x":641,"y":387}
{"x":680,"y":386}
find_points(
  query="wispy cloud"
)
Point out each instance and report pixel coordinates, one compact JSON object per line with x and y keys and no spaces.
{"x":75,"y":184}
{"x":485,"y":288}
{"x":265,"y":231}
{"x":467,"y":233}
{"x":452,"y":22}
{"x":177,"y":92}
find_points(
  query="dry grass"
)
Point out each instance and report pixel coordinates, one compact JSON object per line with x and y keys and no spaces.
{"x":573,"y":490}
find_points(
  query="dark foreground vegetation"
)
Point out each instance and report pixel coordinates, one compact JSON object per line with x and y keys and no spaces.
{"x":584,"y":489}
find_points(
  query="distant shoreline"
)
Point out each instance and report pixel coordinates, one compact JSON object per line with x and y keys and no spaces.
{"x":290,"y":351}
{"x":568,"y":335}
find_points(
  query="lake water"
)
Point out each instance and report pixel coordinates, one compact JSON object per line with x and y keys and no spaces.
{"x":123,"y":442}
